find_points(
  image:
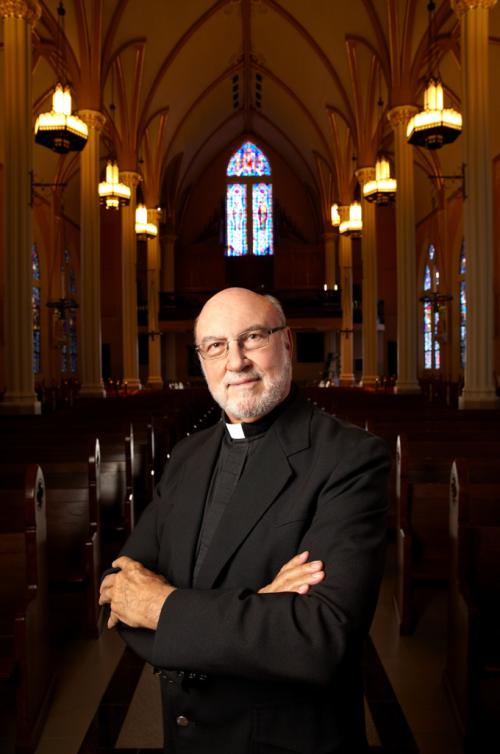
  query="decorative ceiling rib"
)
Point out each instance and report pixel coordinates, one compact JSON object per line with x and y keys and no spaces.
{"x":322,"y":72}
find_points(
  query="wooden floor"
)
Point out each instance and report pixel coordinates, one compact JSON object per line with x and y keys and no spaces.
{"x":408,"y":710}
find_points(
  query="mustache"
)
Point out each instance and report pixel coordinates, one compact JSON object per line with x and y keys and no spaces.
{"x":252,"y":374}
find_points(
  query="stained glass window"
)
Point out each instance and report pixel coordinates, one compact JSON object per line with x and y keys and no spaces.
{"x":35,"y":305}
{"x":249,"y":160}
{"x":35,"y":263}
{"x":69,"y":343}
{"x":462,"y":305}
{"x":249,"y":203}
{"x":236,"y":212}
{"x":432,"y":346}
{"x":36,"y":308}
{"x":69,"y":347}
{"x":262,"y":215}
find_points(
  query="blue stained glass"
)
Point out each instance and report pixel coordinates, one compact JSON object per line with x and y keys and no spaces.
{"x":64,"y":350}
{"x":463,"y":322}
{"x":247,"y":161}
{"x":437,"y":347}
{"x":36,"y":351}
{"x":236,"y":213}
{"x":463,"y":262}
{"x":35,"y":263}
{"x":427,"y":278}
{"x":431,"y":252}
{"x":35,"y":302}
{"x":35,"y":306}
{"x":262,"y":214}
{"x":69,"y":347}
{"x":428,"y":335}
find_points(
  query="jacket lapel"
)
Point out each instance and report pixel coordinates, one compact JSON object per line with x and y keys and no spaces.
{"x":253,"y":499}
{"x":185,"y":520}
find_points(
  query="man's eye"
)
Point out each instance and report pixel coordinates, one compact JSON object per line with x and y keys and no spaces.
{"x":254,"y":337}
{"x":214,"y":346}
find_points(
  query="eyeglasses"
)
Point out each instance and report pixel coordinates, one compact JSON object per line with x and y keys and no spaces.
{"x":250,"y":340}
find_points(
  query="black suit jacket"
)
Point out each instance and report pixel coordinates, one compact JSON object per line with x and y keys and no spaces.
{"x":283,"y":670}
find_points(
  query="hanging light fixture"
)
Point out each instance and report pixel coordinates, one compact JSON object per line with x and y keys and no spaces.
{"x":435,"y":125}
{"x":112,"y":193}
{"x":382,"y":189}
{"x":335,"y":215}
{"x":143,"y":228}
{"x":354,"y":225}
{"x":59,"y":129}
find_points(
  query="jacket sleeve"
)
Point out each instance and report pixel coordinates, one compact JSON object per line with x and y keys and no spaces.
{"x":238,"y":632}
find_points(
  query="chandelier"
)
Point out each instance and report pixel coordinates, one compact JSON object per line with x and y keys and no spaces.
{"x":112,"y":193}
{"x":144,"y":229}
{"x":59,"y":129}
{"x":382,"y":189}
{"x":354,"y":225}
{"x":435,"y":125}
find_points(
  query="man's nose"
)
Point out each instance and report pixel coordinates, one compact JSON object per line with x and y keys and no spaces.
{"x":236,"y":358}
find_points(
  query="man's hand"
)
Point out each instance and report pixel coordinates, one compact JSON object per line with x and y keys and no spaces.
{"x":296,"y":576}
{"x":135,"y":594}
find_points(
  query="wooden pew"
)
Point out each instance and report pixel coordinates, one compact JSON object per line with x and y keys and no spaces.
{"x":422,"y":529}
{"x":472,"y":669}
{"x":73,"y":542}
{"x":25,"y":658}
{"x":42,"y":443}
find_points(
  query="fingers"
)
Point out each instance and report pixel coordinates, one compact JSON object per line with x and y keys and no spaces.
{"x":124,"y":562}
{"x":297,"y":575}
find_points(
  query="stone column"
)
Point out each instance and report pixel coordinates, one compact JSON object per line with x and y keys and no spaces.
{"x":347,"y":333}
{"x":330,"y":272}
{"x":168,"y":263}
{"x":90,"y":250}
{"x":329,"y":239}
{"x":129,"y":285}
{"x":369,"y":289}
{"x":407,"y":381}
{"x":155,"y":379}
{"x":479,"y":388}
{"x":19,"y":17}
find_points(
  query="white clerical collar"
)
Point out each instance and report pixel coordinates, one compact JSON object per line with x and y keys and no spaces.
{"x":236,"y":431}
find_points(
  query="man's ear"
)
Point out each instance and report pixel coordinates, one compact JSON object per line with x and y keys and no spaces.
{"x":289,"y":341}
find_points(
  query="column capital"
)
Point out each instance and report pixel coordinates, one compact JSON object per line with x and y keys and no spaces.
{"x":130,"y":178}
{"x":401,"y":114}
{"x":464,"y":6}
{"x":93,"y":118}
{"x":30,"y":10}
{"x":364,"y":175}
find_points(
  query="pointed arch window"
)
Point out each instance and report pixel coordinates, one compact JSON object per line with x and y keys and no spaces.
{"x":432,"y":349}
{"x":69,"y":342}
{"x":36,"y":295}
{"x":462,"y":297}
{"x":249,"y":203}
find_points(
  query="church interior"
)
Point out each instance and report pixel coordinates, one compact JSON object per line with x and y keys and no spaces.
{"x":342,"y":157}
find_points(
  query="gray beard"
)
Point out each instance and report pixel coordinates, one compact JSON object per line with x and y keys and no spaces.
{"x":251,"y":407}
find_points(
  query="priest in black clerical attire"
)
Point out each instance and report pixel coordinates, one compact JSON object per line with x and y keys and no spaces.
{"x":251,"y":579}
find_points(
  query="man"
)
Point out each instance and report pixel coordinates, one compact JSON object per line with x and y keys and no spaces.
{"x":256,"y":656}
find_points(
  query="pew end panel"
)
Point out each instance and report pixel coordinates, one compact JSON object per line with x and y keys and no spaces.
{"x":25,"y":650}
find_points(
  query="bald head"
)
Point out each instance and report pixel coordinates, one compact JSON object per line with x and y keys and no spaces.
{"x":247,"y":382}
{"x":240,"y":300}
